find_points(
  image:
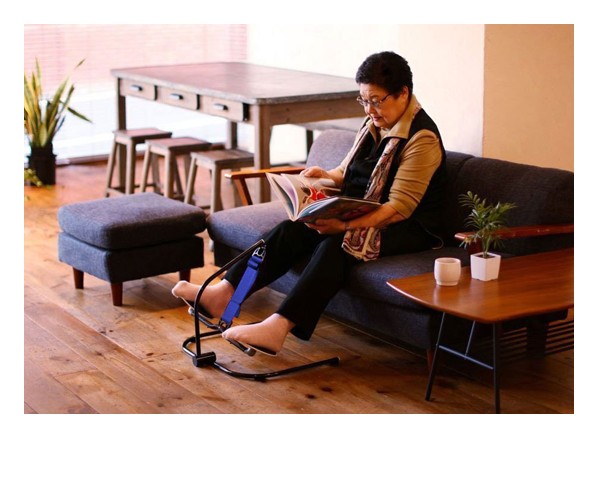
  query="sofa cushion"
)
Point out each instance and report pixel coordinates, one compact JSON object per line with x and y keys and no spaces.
{"x":131,"y":221}
{"x":369,"y":279}
{"x":241,"y":227}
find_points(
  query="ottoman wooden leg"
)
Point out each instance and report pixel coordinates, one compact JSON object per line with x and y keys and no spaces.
{"x":117,"y":293}
{"x":185,"y":275}
{"x":78,"y":277}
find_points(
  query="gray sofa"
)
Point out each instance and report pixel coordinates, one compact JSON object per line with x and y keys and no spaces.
{"x":543,"y":196}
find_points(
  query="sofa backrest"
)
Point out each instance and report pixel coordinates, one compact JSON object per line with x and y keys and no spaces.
{"x":330,"y":148}
{"x":542,"y":195}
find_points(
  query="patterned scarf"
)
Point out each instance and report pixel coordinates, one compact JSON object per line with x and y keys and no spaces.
{"x":365,"y":243}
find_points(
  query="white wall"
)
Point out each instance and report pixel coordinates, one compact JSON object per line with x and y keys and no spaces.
{"x":447,"y":63}
{"x":529,"y":93}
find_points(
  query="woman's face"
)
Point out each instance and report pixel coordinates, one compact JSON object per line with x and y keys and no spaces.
{"x":389,"y":111}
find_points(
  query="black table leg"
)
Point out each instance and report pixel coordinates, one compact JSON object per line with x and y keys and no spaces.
{"x":436,"y":359}
{"x":495,"y":367}
{"x":496,"y":341}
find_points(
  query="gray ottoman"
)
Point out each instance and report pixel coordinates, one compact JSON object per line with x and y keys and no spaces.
{"x":130,"y":237}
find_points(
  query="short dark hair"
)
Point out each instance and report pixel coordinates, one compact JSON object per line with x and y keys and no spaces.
{"x":387,"y":70}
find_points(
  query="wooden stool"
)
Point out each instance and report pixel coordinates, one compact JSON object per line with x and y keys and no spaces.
{"x":125,"y":143}
{"x":215,"y":162}
{"x":170,"y":149}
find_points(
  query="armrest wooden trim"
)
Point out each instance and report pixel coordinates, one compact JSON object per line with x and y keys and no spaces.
{"x":251,"y":174}
{"x":526,"y":231}
{"x":239,"y":179}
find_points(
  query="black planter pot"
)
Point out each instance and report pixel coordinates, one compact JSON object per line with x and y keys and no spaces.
{"x":43,"y":161}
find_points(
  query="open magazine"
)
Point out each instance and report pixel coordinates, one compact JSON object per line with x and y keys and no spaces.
{"x":307,"y":199}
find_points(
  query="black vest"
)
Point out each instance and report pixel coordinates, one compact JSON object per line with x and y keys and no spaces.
{"x":358,"y":174}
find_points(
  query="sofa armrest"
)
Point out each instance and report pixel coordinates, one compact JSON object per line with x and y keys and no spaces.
{"x":239,"y":179}
{"x":520,"y":232}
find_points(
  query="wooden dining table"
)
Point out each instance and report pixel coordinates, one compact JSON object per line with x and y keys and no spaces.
{"x":242,"y":93}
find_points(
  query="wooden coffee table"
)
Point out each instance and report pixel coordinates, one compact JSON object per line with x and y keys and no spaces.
{"x":527,"y":287}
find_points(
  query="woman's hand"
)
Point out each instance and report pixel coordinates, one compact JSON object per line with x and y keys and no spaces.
{"x":315,"y":172}
{"x":328,"y":226}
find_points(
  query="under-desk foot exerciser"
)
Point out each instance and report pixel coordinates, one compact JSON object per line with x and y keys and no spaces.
{"x":232,"y":311}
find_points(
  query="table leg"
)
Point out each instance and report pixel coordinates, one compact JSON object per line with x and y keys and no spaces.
{"x":310,"y":137}
{"x":121,"y":125}
{"x":232,"y":138}
{"x":496,"y":340}
{"x":262,"y":140}
{"x":436,"y":360}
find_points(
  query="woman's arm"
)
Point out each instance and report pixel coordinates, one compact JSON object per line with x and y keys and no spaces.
{"x":382,"y":217}
{"x":419,"y":161}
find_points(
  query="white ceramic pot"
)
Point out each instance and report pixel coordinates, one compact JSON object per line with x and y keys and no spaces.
{"x":485,"y":269}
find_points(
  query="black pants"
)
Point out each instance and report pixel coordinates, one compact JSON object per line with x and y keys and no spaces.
{"x":327,"y":270}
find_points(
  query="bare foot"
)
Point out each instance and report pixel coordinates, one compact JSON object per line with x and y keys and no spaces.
{"x":214,"y":299}
{"x":269,"y":334}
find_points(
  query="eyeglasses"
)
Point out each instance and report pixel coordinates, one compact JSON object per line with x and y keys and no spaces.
{"x":375,"y":104}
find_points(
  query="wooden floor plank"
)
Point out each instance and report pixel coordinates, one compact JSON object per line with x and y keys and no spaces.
{"x":298,"y":393}
{"x":49,"y":353}
{"x":44,"y":394}
{"x":29,"y":410}
{"x":128,"y":371}
{"x":452,"y":391}
{"x":219,"y":389}
{"x":103,"y":394}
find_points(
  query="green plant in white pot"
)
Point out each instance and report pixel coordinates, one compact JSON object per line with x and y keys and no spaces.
{"x":486,"y":220}
{"x":43,"y":119}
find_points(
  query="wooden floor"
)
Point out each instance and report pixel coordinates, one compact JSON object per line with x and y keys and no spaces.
{"x":82,"y":355}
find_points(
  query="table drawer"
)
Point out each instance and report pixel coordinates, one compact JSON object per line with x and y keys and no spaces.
{"x":137,"y":89}
{"x":187,"y":100}
{"x":233,"y":110}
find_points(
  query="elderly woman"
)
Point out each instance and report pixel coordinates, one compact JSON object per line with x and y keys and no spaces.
{"x":397,"y":159}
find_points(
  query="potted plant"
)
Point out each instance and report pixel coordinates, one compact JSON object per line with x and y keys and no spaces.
{"x":486,"y":220}
{"x":43,"y":119}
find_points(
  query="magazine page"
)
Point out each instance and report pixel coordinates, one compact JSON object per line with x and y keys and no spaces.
{"x":287,"y":198}
{"x":337,"y":207}
{"x":306,"y":193}
{"x":326,"y":186}
{"x":298,"y":192}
